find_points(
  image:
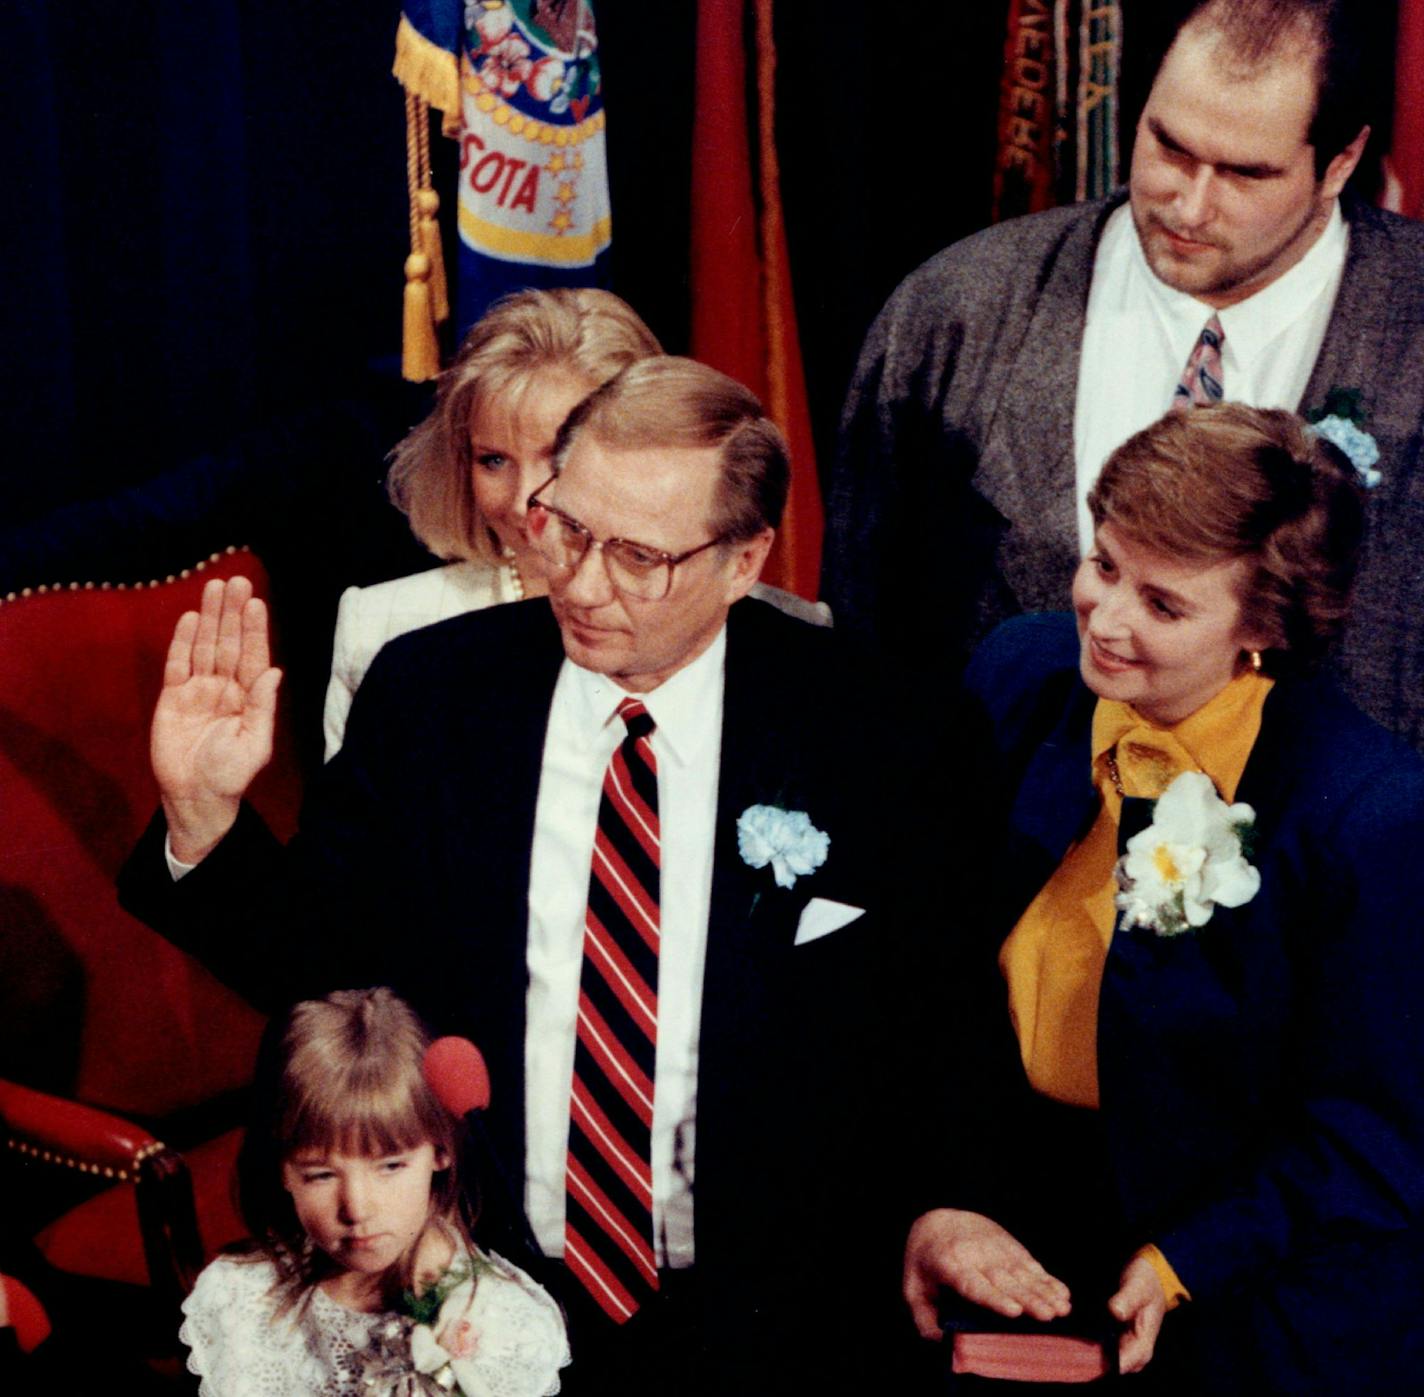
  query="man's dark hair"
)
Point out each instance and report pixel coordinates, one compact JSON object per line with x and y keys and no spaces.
{"x":1351,"y":56}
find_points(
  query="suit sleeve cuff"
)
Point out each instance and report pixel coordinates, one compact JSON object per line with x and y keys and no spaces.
{"x":176,"y":867}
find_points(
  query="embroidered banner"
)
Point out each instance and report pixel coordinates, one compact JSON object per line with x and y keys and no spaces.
{"x":1058,"y":104}
{"x":1023,"y":170}
{"x":1099,"y":63}
{"x":519,"y":85}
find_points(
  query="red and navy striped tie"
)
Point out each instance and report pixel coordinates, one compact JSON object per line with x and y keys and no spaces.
{"x":608,"y":1238}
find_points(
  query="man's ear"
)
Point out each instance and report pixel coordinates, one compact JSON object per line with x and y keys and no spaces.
{"x":1343,"y":165}
{"x":749,"y":557}
{"x":442,"y":1158}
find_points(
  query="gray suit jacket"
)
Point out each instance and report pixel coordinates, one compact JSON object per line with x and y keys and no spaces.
{"x":954,"y":483}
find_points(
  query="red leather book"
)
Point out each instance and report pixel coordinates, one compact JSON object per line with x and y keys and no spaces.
{"x":1030,"y":1357}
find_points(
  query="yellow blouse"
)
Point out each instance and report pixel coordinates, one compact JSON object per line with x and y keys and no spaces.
{"x":1053,"y":959}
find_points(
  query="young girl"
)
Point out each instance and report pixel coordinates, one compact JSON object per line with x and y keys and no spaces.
{"x":464,"y":474}
{"x":347,"y":1180}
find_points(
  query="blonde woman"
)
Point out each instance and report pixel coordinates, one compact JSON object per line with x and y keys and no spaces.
{"x":463,"y":475}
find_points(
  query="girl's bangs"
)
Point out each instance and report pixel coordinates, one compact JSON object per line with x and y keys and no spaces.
{"x":370,"y":1123}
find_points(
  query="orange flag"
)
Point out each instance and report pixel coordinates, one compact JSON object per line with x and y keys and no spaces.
{"x":743,"y":315}
{"x":1405,"y":191}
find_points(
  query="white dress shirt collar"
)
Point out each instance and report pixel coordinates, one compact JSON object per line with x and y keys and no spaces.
{"x":679,"y":705}
{"x":1250,"y":326}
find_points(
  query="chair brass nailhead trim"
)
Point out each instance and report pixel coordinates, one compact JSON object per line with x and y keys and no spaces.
{"x":45,"y":588}
{"x":82,"y":1166}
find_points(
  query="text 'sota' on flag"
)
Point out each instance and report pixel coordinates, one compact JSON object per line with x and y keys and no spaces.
{"x":519,"y":86}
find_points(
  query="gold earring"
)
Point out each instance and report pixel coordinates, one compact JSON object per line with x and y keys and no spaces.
{"x":1256,"y":661}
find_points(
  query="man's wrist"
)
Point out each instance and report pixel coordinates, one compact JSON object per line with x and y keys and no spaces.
{"x":196,"y":828}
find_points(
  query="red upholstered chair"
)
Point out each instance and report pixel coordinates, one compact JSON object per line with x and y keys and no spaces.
{"x":109,"y":1036}
{"x":24,"y":1314}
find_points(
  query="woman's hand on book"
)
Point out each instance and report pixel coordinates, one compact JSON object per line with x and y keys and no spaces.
{"x":973,"y":1256}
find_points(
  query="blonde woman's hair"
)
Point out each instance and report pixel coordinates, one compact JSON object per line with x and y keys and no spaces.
{"x":343,"y":1074}
{"x":586,"y":333}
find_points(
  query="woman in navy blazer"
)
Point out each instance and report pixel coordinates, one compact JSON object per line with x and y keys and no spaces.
{"x":1221,"y":1114}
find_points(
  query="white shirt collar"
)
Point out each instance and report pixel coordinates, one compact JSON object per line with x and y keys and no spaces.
{"x":684,"y":707}
{"x":1251,"y":325}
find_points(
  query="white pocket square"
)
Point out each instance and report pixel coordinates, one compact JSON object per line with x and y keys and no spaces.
{"x":820,"y":917}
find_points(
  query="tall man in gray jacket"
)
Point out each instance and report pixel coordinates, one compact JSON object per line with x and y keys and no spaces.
{"x":1002,"y":373}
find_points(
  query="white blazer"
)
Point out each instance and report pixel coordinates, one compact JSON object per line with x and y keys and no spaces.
{"x":370,"y":616}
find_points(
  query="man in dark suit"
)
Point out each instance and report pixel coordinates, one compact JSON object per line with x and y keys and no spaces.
{"x":446,"y":851}
{"x":1002,"y":372}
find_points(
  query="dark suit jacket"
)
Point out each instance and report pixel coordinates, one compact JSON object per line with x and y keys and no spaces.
{"x":412,"y":869}
{"x":955,"y":477}
{"x":1261,"y":1078}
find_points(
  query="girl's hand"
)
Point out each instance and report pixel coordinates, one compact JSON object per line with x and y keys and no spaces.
{"x":1139,"y":1305}
{"x":977,"y":1259}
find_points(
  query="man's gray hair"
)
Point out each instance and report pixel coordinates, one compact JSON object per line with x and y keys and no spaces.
{"x":672,"y":402}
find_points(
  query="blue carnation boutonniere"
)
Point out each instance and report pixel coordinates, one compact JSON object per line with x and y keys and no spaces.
{"x":1342,"y":423}
{"x":785,"y":839}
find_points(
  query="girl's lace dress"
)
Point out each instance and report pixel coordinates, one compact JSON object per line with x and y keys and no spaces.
{"x":240,"y":1348}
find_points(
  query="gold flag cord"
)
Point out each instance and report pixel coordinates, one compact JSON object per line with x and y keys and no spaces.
{"x":426,"y":302}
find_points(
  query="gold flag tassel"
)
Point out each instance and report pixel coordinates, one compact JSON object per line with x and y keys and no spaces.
{"x":428,"y":204}
{"x":426,"y":301}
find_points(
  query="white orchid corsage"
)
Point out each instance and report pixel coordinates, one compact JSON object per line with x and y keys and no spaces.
{"x":785,"y":839}
{"x":1188,"y":861}
{"x":485,"y":1327}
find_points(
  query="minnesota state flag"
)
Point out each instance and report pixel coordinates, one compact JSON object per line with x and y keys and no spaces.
{"x":518,"y":85}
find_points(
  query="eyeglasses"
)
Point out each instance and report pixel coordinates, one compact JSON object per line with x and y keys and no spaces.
{"x":634,"y":569}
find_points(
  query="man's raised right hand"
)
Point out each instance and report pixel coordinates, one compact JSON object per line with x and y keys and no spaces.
{"x":212,"y":729}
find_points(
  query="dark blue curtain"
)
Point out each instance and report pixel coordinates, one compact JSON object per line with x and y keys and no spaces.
{"x":205,"y":227}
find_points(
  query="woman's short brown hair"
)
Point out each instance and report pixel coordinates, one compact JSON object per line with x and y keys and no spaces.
{"x":587,"y":333}
{"x":1230,"y":481}
{"x":346,"y":1074}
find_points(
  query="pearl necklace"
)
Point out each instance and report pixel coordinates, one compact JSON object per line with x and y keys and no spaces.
{"x":516,"y":582}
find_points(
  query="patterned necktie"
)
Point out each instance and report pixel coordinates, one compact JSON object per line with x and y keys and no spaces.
{"x":1201,"y":379}
{"x":608,"y":1237}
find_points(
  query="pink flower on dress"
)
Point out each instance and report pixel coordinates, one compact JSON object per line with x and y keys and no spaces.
{"x":506,"y":65}
{"x":459,"y":1340}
